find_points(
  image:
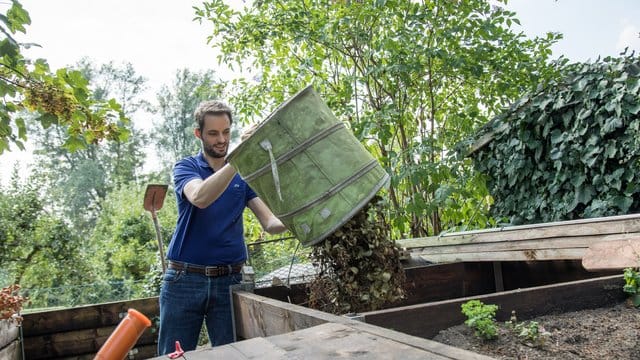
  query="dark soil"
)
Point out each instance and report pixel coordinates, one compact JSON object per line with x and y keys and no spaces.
{"x":603,"y":333}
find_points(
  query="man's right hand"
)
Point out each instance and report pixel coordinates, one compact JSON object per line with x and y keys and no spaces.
{"x":245,"y":135}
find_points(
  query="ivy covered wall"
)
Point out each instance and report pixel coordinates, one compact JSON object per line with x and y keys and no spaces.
{"x":570,"y":150}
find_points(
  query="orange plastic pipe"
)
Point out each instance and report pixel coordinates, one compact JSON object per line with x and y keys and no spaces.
{"x":124,"y":336}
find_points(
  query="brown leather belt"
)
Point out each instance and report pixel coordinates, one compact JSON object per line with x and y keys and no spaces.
{"x":212,"y":271}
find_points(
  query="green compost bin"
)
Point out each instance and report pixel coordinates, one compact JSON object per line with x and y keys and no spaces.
{"x":307,"y":166}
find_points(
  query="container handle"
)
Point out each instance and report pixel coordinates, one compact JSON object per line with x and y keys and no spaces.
{"x":266,"y":145}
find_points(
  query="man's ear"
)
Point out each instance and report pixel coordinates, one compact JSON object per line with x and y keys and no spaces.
{"x":197,"y":133}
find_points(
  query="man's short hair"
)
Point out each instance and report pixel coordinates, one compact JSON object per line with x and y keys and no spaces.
{"x":211,"y":107}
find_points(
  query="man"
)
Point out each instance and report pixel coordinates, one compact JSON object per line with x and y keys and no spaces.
{"x":207,"y":250}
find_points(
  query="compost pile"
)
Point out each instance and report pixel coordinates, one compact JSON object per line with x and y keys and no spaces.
{"x":359,"y":266}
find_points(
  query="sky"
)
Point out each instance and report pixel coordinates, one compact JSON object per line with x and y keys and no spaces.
{"x":159,"y":37}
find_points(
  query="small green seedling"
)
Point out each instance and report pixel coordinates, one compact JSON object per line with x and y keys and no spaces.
{"x":531,"y":333}
{"x":481,"y":318}
{"x":632,"y":285}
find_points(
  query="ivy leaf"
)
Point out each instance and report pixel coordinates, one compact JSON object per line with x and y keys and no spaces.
{"x":634,"y":108}
{"x":611,"y":124}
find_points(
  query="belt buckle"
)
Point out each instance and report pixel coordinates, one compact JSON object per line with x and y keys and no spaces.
{"x":212,"y":271}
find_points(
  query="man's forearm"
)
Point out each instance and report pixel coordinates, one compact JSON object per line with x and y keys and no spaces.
{"x":275,"y":226}
{"x":203,"y":193}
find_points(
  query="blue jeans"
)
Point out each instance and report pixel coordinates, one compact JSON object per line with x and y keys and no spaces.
{"x":187,"y":299}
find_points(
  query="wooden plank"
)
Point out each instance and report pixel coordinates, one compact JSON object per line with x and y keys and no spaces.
{"x":138,"y":352}
{"x":528,"y":244}
{"x":8,"y":332}
{"x":497,"y":275}
{"x":256,"y":348}
{"x":11,"y":351}
{"x":295,"y":294}
{"x":485,"y":139}
{"x":426,"y":320}
{"x":516,"y":255}
{"x":613,"y":255}
{"x":78,"y":342}
{"x":85,"y":317}
{"x":333,"y":340}
{"x":521,"y":274}
{"x":585,"y":227}
{"x":447,"y":281}
{"x":257,"y":316}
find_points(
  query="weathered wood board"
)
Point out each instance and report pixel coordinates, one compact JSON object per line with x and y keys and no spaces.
{"x":613,"y":255}
{"x":76,"y":342}
{"x":11,"y":351}
{"x":8,"y":332}
{"x":277,"y":318}
{"x":138,"y":352}
{"x":545,"y":241}
{"x":85,"y":317}
{"x":426,"y":320}
{"x":330,"y":341}
{"x":78,"y":333}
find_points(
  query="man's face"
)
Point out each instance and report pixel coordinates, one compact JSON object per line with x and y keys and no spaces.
{"x":215,"y":135}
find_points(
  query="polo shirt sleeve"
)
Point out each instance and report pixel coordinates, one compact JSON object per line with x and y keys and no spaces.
{"x":183,"y":172}
{"x":250,"y":194}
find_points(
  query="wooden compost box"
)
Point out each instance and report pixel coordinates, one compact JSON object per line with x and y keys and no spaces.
{"x":79,"y":332}
{"x":520,"y":268}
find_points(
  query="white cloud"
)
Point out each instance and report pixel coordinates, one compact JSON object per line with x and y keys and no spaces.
{"x":629,"y":37}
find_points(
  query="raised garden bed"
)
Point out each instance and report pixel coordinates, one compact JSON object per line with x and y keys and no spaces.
{"x":80,"y":332}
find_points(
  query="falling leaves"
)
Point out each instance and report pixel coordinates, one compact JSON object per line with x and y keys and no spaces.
{"x":359,"y":266}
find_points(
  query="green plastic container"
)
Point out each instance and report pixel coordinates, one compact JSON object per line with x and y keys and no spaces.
{"x":308,"y":167}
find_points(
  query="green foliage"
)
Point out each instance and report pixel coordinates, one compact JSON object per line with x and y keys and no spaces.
{"x":481,"y":318}
{"x":78,"y":181}
{"x":38,"y":249}
{"x":632,"y":285}
{"x":59,"y":98}
{"x":124,"y":244}
{"x":412,"y":79}
{"x":571,"y":149}
{"x":531,"y":333}
{"x":270,"y":252}
{"x":173,"y":134}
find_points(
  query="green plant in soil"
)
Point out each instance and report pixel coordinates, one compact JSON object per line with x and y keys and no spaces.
{"x":359,"y":265}
{"x":632,"y":285}
{"x":481,"y":318}
{"x":531,"y":333}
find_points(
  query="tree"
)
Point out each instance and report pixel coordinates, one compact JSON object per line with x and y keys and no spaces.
{"x":39,"y":249}
{"x":124,"y":247}
{"x":58,"y":98}
{"x":173,"y":135}
{"x":412,"y":78}
{"x":79,"y":180}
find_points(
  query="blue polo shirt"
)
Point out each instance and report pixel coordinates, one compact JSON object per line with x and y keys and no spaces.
{"x":214,"y":235}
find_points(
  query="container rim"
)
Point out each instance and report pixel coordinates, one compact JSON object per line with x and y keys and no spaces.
{"x":240,"y":146}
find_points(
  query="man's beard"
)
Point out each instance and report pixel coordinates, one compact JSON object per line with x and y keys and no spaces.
{"x":211,"y":151}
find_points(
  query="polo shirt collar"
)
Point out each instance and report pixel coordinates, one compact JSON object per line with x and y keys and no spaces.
{"x":202,"y":162}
